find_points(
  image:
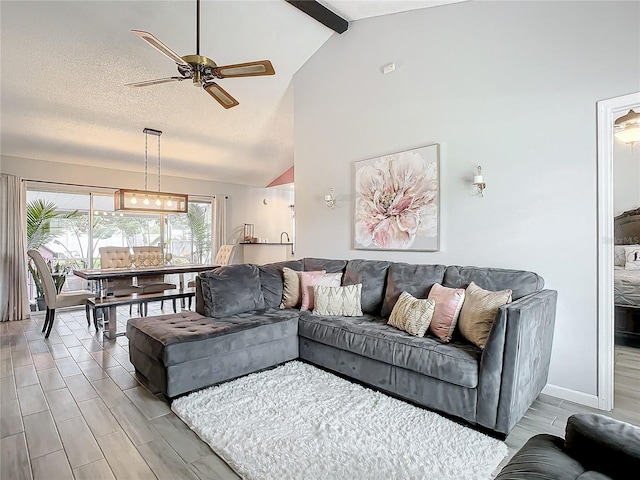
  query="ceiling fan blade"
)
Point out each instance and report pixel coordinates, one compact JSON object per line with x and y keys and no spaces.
{"x":147,"y":83}
{"x":161,"y":47}
{"x":251,"y":69}
{"x":226,"y":100}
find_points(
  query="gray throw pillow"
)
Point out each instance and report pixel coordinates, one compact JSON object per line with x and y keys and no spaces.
{"x":231,"y":289}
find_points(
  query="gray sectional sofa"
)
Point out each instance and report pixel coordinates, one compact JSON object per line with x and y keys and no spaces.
{"x":238,"y":328}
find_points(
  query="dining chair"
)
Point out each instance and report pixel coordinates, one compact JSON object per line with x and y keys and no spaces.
{"x":118,"y":257}
{"x":150,"y":256}
{"x":52,"y":298}
{"x":223,"y":257}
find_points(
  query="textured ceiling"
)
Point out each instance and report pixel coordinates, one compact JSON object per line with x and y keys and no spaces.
{"x":64,"y":65}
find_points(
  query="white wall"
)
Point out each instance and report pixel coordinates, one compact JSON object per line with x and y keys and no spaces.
{"x":626,"y":177}
{"x":245,"y":203}
{"x":509,"y":85}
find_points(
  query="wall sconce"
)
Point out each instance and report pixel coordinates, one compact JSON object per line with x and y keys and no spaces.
{"x":329,"y":200}
{"x":478,"y":181}
{"x":627,"y":127}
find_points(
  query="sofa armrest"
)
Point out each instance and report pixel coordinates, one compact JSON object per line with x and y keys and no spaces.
{"x":603,"y":444}
{"x":515,"y":362}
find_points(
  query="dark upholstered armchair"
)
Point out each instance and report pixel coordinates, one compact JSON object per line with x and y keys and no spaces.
{"x":595,"y":447}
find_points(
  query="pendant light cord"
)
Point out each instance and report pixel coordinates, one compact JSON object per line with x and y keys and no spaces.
{"x":158,"y":162}
{"x":146,"y":159}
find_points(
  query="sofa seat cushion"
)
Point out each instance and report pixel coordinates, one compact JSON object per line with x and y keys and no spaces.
{"x":177,"y":338}
{"x":371,"y":337}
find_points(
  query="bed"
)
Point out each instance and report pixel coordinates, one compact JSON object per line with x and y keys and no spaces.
{"x":626,"y":285}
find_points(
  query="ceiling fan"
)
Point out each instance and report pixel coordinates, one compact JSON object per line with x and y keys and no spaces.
{"x":202,"y":70}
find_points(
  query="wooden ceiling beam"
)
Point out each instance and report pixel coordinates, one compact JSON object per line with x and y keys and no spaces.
{"x":322,"y":14}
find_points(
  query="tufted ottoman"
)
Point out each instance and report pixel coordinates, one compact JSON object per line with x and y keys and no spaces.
{"x":179,"y":353}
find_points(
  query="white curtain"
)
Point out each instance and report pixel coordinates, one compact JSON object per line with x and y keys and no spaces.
{"x":219,"y":223}
{"x":14,"y":303}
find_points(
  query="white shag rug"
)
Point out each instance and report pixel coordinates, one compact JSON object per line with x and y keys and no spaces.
{"x":298,"y":422}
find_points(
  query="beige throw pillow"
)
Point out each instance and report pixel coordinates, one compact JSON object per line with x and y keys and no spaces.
{"x":412,"y":315}
{"x":291,"y":289}
{"x":344,"y":301}
{"x":478,"y":312}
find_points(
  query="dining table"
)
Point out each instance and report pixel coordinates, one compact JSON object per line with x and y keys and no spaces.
{"x":102,"y":276}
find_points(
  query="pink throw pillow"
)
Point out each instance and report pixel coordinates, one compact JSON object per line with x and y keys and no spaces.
{"x":445,"y":316}
{"x":309,"y":279}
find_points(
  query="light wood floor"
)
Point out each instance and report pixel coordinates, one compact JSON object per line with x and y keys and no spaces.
{"x":71,"y":407}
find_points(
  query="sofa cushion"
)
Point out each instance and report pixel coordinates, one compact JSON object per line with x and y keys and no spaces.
{"x":519,"y":281}
{"x":231,"y":289}
{"x":372,"y":274}
{"x":328,"y":265}
{"x":271,"y":281}
{"x":414,"y":279}
{"x":182,"y":337}
{"x":371,"y":337}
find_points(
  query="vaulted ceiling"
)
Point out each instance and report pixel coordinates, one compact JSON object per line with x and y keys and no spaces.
{"x":65,"y":63}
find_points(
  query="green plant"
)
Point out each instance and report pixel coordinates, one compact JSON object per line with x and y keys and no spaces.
{"x":198,"y":222}
{"x":40,"y":214}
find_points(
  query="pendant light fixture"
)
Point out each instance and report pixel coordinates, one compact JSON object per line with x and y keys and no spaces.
{"x":146,"y":200}
{"x":627,"y":127}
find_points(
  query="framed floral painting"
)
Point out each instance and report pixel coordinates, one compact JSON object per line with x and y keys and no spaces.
{"x":397,"y":201}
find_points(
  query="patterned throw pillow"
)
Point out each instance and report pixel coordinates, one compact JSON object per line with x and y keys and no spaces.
{"x":632,"y":257}
{"x":449,"y":302}
{"x":479,"y":311}
{"x":309,"y":279}
{"x":344,"y":301}
{"x":412,"y":315}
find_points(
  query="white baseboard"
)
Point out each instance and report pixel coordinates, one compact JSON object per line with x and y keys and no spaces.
{"x":574,"y":396}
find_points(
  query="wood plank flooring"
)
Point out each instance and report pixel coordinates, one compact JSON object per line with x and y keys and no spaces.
{"x":71,"y":407}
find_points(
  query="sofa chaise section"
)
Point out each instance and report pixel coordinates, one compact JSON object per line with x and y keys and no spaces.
{"x":182,"y":352}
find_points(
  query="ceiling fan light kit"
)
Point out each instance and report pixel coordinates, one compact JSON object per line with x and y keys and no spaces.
{"x":202,"y":70}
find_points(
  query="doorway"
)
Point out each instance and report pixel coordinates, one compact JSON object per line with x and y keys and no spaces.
{"x":607,"y":111}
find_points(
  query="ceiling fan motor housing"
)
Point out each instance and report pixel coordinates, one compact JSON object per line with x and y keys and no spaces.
{"x":201,"y":70}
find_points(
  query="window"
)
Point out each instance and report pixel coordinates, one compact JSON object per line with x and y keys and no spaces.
{"x":69,"y":228}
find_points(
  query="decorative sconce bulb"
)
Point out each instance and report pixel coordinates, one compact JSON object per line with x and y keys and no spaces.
{"x":134,"y":200}
{"x":329,"y":200}
{"x":146,"y":200}
{"x":158,"y":202}
{"x":478,"y":181}
{"x":169,"y":203}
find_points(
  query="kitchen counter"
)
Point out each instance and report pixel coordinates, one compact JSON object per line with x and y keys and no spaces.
{"x":262,"y":253}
